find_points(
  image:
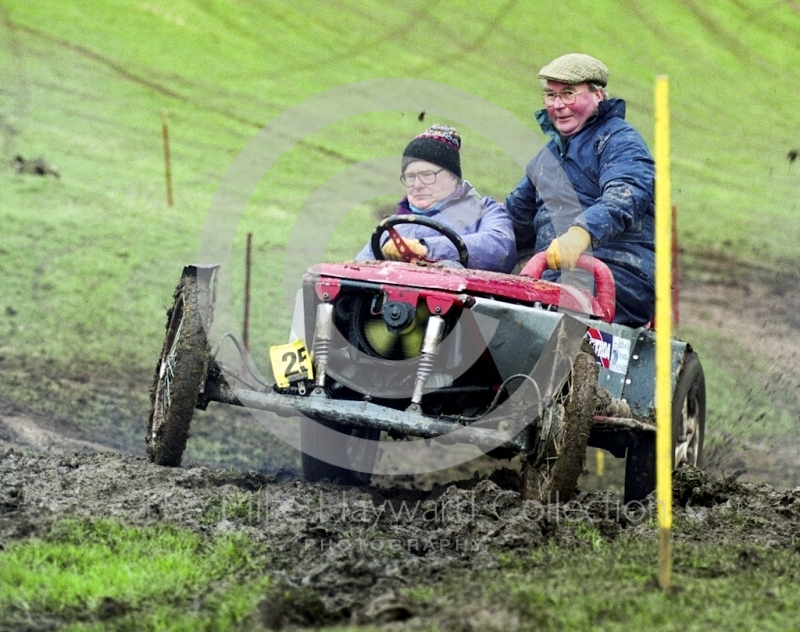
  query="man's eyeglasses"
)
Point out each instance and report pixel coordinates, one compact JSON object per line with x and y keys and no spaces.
{"x":426,"y":177}
{"x":567,"y":96}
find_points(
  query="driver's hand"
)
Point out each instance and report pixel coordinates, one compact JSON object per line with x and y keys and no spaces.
{"x":563,"y":252}
{"x":414,"y":245}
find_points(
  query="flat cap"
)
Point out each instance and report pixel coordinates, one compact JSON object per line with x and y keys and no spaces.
{"x":575,"y":68}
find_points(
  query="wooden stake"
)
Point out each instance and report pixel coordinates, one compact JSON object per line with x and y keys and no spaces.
{"x":247,"y":264}
{"x":676,"y":273}
{"x":167,"y":165}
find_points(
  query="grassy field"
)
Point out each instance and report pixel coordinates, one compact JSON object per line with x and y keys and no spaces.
{"x":89,"y":260}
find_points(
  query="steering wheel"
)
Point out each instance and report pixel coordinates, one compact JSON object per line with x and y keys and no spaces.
{"x":605,"y":288}
{"x":405,"y":252}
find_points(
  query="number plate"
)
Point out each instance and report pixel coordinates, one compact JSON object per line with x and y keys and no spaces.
{"x":291,"y":363}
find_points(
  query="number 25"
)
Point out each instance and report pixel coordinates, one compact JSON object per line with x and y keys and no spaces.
{"x":293,"y":358}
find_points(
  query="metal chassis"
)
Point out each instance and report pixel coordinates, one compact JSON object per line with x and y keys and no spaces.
{"x":614,"y":434}
{"x":631,"y":437}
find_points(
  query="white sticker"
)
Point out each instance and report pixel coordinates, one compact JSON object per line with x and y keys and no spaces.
{"x":620,"y":355}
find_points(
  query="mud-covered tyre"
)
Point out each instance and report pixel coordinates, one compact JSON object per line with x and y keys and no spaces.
{"x":180,"y":373}
{"x":356,"y":446}
{"x":556,"y":476}
{"x":688,"y":433}
{"x":689,"y":414}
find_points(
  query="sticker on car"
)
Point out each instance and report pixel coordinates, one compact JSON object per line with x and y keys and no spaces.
{"x":611,"y":352}
{"x":291,"y":363}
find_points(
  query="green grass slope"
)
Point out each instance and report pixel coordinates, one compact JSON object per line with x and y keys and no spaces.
{"x":139,"y":577}
{"x":89,"y":261}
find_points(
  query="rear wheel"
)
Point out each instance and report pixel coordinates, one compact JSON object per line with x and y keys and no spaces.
{"x":688,"y":433}
{"x":180,"y":372}
{"x":355,"y":446}
{"x":689,"y":413}
{"x":555,"y":474}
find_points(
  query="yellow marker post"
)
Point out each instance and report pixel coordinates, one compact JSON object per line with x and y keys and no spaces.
{"x":663,"y":334}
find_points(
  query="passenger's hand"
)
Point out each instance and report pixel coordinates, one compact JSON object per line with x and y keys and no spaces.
{"x":564,"y":251}
{"x":414,"y":245}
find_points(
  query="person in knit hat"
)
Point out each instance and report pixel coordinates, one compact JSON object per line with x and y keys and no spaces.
{"x":431,"y":174}
{"x":591,"y":188}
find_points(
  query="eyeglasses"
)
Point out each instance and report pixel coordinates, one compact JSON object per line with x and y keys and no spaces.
{"x":426,"y":177}
{"x":567,"y":96}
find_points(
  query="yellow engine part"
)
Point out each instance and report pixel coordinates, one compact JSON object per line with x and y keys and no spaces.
{"x":385,"y":342}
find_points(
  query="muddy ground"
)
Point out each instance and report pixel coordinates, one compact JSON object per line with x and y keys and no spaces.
{"x":346,"y":554}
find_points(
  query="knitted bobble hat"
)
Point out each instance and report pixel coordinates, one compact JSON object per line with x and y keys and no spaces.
{"x":440,"y":145}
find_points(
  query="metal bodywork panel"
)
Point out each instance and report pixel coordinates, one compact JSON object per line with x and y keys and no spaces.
{"x":640,"y":384}
{"x":614,"y":381}
{"x":520,"y":335}
{"x":637,"y":384}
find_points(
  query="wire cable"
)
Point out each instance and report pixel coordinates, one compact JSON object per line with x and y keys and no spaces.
{"x":245,"y":360}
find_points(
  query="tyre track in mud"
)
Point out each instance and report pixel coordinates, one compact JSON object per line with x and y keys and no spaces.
{"x":23,"y":432}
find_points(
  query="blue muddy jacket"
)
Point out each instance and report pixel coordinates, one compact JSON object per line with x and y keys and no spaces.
{"x":601,"y":179}
{"x":481,"y":222}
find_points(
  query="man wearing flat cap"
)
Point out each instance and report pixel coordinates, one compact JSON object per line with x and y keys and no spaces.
{"x":590,"y":189}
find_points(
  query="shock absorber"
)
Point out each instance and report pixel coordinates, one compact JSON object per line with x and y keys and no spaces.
{"x":323,"y":331}
{"x":430,"y":349}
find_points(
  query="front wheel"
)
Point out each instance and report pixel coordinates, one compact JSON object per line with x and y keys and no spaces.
{"x":554,"y":477}
{"x":688,"y":433}
{"x":180,"y":371}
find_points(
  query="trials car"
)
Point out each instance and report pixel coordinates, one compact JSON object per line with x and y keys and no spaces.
{"x":415,"y":349}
